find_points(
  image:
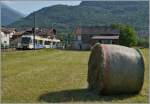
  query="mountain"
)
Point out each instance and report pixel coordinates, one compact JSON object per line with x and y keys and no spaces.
{"x":8,"y":15}
{"x":90,"y":13}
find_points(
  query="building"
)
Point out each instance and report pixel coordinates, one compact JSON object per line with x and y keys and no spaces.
{"x":43,"y":32}
{"x":47,"y":33}
{"x":4,"y":39}
{"x":143,"y":33}
{"x":15,"y":39}
{"x":88,"y":36}
{"x":6,"y":34}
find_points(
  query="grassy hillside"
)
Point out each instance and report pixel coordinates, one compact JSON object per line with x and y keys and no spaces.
{"x":90,"y":13}
{"x":54,"y":76}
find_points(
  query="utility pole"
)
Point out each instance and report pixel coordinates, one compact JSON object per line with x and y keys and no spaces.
{"x":34,"y":31}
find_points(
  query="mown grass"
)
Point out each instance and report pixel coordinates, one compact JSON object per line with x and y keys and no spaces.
{"x":55,"y":76}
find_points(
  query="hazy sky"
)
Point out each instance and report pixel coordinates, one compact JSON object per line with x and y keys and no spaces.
{"x":28,"y":6}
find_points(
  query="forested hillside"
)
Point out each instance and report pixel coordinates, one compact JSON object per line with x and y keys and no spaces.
{"x":90,"y":13}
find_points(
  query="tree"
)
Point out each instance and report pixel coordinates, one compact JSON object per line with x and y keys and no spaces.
{"x":128,"y":35}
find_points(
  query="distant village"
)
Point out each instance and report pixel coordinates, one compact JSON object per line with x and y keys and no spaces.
{"x":11,"y":37}
{"x":35,"y":38}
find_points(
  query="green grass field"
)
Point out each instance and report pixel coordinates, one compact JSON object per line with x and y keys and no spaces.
{"x":55,"y":76}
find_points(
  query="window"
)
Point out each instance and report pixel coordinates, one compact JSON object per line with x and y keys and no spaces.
{"x":26,"y":40}
{"x":40,"y":41}
{"x":47,"y":42}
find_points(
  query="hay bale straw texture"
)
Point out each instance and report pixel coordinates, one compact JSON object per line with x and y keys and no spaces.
{"x":115,"y":69}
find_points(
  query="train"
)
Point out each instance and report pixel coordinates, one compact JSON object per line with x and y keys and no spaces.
{"x":27,"y":42}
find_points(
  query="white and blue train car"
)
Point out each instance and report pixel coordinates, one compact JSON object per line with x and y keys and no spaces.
{"x":27,"y":42}
{"x":47,"y":43}
{"x":55,"y":43}
{"x":51,"y":43}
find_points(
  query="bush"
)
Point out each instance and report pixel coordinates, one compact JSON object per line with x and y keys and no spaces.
{"x":128,"y":35}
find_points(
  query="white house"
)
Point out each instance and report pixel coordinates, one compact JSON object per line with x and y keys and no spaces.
{"x":5,"y":36}
{"x":4,"y":39}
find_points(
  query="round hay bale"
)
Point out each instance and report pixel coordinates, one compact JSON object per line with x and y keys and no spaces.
{"x":115,"y":69}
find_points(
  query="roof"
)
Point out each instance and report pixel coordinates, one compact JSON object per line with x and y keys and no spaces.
{"x":96,"y":30}
{"x":18,"y":33}
{"x":41,"y":31}
{"x":105,"y":37}
{"x":8,"y":30}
